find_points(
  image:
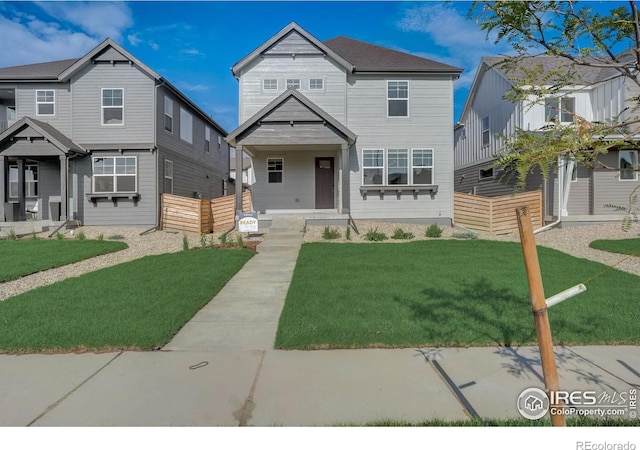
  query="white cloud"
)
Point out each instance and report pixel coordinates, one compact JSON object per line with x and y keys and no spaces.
{"x":98,"y":19}
{"x":187,"y":87}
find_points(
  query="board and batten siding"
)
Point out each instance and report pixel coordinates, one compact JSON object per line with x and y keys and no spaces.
{"x":26,"y":104}
{"x":504,"y":118}
{"x":192,"y":164}
{"x":429,"y":125}
{"x":303,"y":67}
{"x":86,"y":89}
{"x":125,"y":212}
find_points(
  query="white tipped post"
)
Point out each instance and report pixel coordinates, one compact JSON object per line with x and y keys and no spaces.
{"x":564,"y":295}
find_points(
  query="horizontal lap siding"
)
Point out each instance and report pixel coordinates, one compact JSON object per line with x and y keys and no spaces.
{"x":608,"y":189}
{"x":125,"y":211}
{"x":428,"y":126}
{"x":26,"y":104}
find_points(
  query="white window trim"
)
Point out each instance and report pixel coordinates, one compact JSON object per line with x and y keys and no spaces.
{"x":265,"y":88}
{"x":34,"y":182}
{"x":408,"y":167}
{"x":296,"y":80}
{"x":483,"y":131}
{"x":167,"y":100}
{"x":635,"y":173}
{"x":407,"y":99}
{"x":114,"y":175}
{"x":46,"y":103}
{"x":559,"y":111}
{"x":207,"y":139}
{"x":183,"y":128}
{"x":432,"y":166}
{"x":166,"y":177}
{"x":383,"y":167}
{"x":102,"y":108}
{"x":316,"y":88}
{"x":274,"y":171}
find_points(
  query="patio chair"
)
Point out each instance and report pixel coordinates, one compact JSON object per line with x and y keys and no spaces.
{"x":32,"y":210}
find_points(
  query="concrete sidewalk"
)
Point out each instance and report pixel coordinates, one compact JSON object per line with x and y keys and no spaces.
{"x":221,"y":370}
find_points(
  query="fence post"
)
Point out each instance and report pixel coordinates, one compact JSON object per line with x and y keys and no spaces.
{"x":540,"y":317}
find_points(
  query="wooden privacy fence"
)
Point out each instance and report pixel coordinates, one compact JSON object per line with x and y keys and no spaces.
{"x":201,"y":216}
{"x":496,"y":214}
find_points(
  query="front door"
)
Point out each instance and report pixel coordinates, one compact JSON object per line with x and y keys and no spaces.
{"x":324,"y":183}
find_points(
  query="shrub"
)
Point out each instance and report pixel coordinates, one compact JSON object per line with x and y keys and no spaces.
{"x":80,"y":235}
{"x":348,"y":233}
{"x":116,"y":237}
{"x":399,"y":233}
{"x":34,"y":236}
{"x":239,"y":241}
{"x":100,"y":237}
{"x":330,"y":233}
{"x":223,"y":238}
{"x":203,"y":240}
{"x":59,"y":236}
{"x":465,"y":235}
{"x":185,"y":242}
{"x":434,"y":231}
{"x":375,"y":236}
{"x":12,"y":235}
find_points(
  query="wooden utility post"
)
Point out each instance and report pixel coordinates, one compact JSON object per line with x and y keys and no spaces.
{"x":540,"y":317}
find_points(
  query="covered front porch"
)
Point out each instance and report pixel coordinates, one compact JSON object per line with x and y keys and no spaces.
{"x":301,"y":157}
{"x":34,"y":174}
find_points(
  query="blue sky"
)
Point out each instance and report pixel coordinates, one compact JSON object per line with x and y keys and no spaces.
{"x":194,"y":44}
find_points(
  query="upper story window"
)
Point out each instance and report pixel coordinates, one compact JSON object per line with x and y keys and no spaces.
{"x":115,"y":174}
{"x":45,"y":102}
{"x":219,"y":142}
{"x":486,"y":132}
{"x":486,"y":173}
{"x":207,"y":139}
{"x":270,"y":85}
{"x":559,"y":108}
{"x":186,"y":126}
{"x":112,"y":106}
{"x":316,"y":84}
{"x":398,"y":98}
{"x":30,"y":180}
{"x":293,"y":83}
{"x":168,"y":114}
{"x":628,"y":160}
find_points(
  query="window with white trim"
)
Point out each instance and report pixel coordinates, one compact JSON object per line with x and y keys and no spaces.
{"x":293,"y":83}
{"x":373,"y":167}
{"x":30,"y":180}
{"x":115,"y":174}
{"x":275,"y":169}
{"x":628,"y":160}
{"x":562,"y":108}
{"x":316,"y":84}
{"x":397,"y":166}
{"x":168,"y":114}
{"x":422,"y":166}
{"x":207,"y":139}
{"x":486,"y":132}
{"x":168,"y":176}
{"x":45,"y":102}
{"x":397,"y":98}
{"x":186,"y":126}
{"x":270,"y":84}
{"x":113,"y":106}
{"x":219,"y":142}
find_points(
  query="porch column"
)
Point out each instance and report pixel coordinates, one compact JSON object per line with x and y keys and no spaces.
{"x":238,"y":181}
{"x":346,"y":184}
{"x":3,"y":182}
{"x":22,"y":208}
{"x":64,"y":198}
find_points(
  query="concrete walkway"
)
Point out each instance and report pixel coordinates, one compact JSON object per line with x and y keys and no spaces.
{"x":221,"y":370}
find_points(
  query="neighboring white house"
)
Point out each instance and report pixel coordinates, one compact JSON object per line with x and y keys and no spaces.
{"x":598,"y":95}
{"x":248,"y":177}
{"x":347,"y":127}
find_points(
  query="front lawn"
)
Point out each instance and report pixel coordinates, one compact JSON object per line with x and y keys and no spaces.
{"x":447,"y":293}
{"x":623,"y":246}
{"x":140,"y":304}
{"x":21,"y":258}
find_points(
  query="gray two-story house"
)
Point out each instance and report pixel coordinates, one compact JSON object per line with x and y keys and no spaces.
{"x":98,"y":139}
{"x":347,"y":127}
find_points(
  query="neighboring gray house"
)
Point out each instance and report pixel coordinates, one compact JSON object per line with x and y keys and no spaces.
{"x":598,"y":95}
{"x":98,"y":139}
{"x":346,"y":127}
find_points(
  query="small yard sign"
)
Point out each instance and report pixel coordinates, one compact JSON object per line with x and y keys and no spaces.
{"x":248,"y":222}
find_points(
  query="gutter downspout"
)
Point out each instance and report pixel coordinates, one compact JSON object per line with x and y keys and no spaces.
{"x":561,"y":197}
{"x":157,"y":152}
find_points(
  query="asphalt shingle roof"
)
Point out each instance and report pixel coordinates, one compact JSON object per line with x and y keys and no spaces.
{"x":39,"y":71}
{"x":373,"y":58}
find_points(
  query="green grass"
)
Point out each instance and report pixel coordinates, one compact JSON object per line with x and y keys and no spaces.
{"x":623,"y":246}
{"x":447,"y":293}
{"x":136,"y":305}
{"x":20,"y":258}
